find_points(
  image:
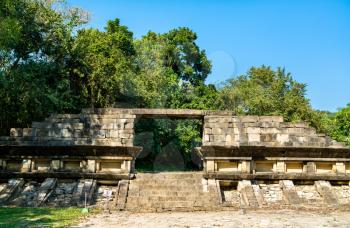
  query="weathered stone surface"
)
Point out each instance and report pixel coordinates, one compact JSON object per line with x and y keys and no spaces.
{"x":9,"y":191}
{"x":325,"y":190}
{"x":84,"y":192}
{"x":171,"y":191}
{"x":45,"y":190}
{"x":289,"y":192}
{"x":247,"y":194}
{"x":121,"y":196}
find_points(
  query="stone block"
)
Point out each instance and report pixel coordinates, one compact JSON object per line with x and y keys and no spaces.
{"x":210,"y":125}
{"x":127,"y":167}
{"x":41,"y":125}
{"x":251,"y":124}
{"x":26,"y":165}
{"x":77,"y":133}
{"x":219,"y":138}
{"x":271,"y":130}
{"x":228,"y":138}
{"x":206,"y":138}
{"x":253,"y":130}
{"x":248,"y":119}
{"x":269,"y":125}
{"x":55,"y":133}
{"x":129,"y":125}
{"x":209,"y":119}
{"x":112,"y":134}
{"x":282,"y":138}
{"x":268,"y":137}
{"x":277,"y":119}
{"x":230,"y":125}
{"x":280,"y":166}
{"x":207,"y":130}
{"x":107,"y":142}
{"x":107,"y":126}
{"x":127,"y":142}
{"x":301,"y":125}
{"x":91,"y":166}
{"x":55,"y":165}
{"x":217,"y":131}
{"x":210,"y":166}
{"x":27,"y":132}
{"x":311,"y":167}
{"x":340,"y":167}
{"x":245,"y":166}
{"x":253,"y":137}
{"x":16,"y":132}
{"x":211,"y":138}
{"x":290,"y":194}
{"x":66,"y":133}
{"x":98,"y":134}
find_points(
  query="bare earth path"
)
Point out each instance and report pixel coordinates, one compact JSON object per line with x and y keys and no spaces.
{"x":282,"y":218}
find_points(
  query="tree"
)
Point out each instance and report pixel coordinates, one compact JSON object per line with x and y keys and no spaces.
{"x":35,"y":40}
{"x":183,"y":55}
{"x":340,"y":130}
{"x":263,"y":91}
{"x":154,"y":82}
{"x":104,"y":64}
{"x":171,"y":74}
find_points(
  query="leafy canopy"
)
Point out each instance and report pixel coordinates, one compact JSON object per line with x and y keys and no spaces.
{"x":263,"y":91}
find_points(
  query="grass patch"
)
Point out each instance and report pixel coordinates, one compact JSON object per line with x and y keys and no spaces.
{"x":39,"y":217}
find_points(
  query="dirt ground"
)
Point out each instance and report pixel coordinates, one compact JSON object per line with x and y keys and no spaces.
{"x":281,"y":218}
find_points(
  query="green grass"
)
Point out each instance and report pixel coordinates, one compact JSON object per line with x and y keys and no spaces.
{"x":39,"y":217}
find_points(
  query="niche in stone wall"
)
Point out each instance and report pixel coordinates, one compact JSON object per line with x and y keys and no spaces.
{"x":324,"y":167}
{"x":294,"y":167}
{"x":226,"y":166}
{"x":264,"y":166}
{"x":14,"y":165}
{"x":42,"y":165}
{"x":71,"y":165}
{"x":110,"y":166}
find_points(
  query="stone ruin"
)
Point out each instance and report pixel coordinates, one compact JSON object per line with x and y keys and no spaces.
{"x":248,"y":162}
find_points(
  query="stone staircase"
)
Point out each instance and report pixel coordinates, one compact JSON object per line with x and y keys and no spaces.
{"x":168,"y":191}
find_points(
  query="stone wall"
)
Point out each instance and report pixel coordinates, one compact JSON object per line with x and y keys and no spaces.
{"x":76,"y":129}
{"x":268,"y":131}
{"x":115,"y":127}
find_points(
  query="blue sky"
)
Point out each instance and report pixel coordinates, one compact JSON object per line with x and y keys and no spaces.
{"x":310,"y":38}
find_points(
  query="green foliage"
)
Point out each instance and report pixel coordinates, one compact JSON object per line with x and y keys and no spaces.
{"x":104,"y":64}
{"x":263,"y":91}
{"x":35,"y":43}
{"x":154,"y":82}
{"x":183,"y":55}
{"x":171,"y":73}
{"x":340,"y":125}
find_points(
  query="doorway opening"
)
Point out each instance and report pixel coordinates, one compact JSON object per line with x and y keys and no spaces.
{"x":168,"y":144}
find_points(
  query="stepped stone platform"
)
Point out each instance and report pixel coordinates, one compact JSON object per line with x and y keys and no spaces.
{"x":248,"y":162}
{"x":156,"y":192}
